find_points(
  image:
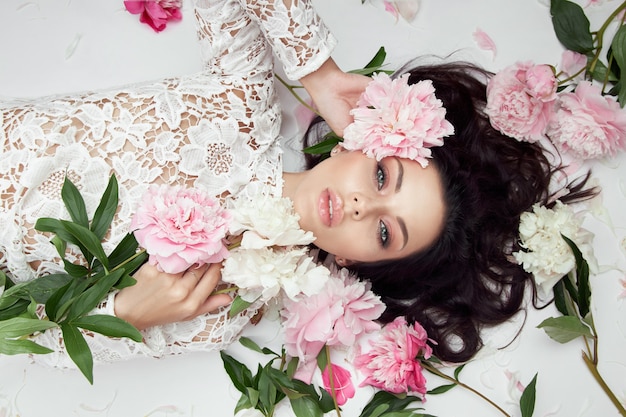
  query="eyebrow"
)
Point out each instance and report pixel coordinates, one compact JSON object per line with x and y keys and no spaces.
{"x":400,"y":175}
{"x":404,"y":231}
{"x":399,"y":219}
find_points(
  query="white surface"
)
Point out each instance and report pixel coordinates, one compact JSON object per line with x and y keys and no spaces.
{"x":57,"y":46}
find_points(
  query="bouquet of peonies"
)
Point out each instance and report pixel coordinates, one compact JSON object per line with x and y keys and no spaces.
{"x":260,"y":241}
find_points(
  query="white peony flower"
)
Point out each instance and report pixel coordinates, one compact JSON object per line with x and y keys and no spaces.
{"x":547,"y":256}
{"x":267,"y":221}
{"x":262,"y":273}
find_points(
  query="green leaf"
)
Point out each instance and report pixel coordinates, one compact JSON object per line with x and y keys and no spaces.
{"x":3,"y":281}
{"x":323,"y":359}
{"x":250,"y":344}
{"x":105,"y":212}
{"x":39,"y":289}
{"x":60,"y":245}
{"x":527,"y":402}
{"x":124,"y":250}
{"x":564,"y":329}
{"x":125,"y":281}
{"x":45,"y":224}
{"x":77,"y":271}
{"x":571,"y":26}
{"x":239,"y":374}
{"x":18,"y":347}
{"x":559,"y":297}
{"x":89,"y":299}
{"x":244,"y":403}
{"x":78,"y":350}
{"x":267,"y":390}
{"x":20,"y":326}
{"x":441,"y":389}
{"x":237,"y":306}
{"x":457,"y":371}
{"x":74,"y":203}
{"x":325,"y":146}
{"x":109,"y":326}
{"x":15,"y":309}
{"x":253,"y":397}
{"x":305,"y":407}
{"x":375,"y":65}
{"x":618,"y":46}
{"x":394,"y":402}
{"x":89,"y":240}
{"x":582,"y":278}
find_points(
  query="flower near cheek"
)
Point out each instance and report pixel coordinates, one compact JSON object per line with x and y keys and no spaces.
{"x":588,"y":124}
{"x":155,"y":13}
{"x":180,"y":227}
{"x":393,"y":362}
{"x":520,"y":100}
{"x":342,"y":383}
{"x":545,"y":253}
{"x":393,"y":118}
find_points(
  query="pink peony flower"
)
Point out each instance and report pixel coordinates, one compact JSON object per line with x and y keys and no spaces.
{"x":180,"y":227}
{"x":393,"y":363}
{"x":155,"y":13}
{"x":588,"y":124}
{"x":393,"y":118}
{"x":342,"y":383}
{"x":521,"y":99}
{"x":344,"y":310}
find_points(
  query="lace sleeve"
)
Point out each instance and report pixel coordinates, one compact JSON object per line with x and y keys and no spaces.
{"x":297,"y":35}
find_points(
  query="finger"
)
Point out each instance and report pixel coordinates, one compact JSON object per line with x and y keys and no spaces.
{"x":209,"y":280}
{"x":214,"y":302}
{"x":194,"y":274}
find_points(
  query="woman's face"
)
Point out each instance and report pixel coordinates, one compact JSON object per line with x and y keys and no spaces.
{"x":362,"y":210}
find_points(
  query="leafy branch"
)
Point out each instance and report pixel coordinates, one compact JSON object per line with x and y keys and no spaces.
{"x":572,"y":298}
{"x":527,"y":401}
{"x":572,"y":28}
{"x":69,"y":297}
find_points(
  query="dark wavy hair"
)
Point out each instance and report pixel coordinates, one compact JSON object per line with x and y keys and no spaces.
{"x":467,"y":278}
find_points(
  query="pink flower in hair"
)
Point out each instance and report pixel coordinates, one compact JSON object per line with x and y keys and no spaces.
{"x":393,"y":118}
{"x":588,"y":124}
{"x":521,"y":99}
{"x":393,"y":363}
{"x":180,"y":227}
{"x":155,"y":13}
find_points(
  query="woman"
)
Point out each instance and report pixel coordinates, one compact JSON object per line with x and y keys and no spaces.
{"x":217,"y":130}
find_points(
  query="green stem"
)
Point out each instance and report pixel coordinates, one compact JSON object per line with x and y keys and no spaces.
{"x":430,"y":368}
{"x":594,"y":371}
{"x":128,"y":260}
{"x":600,"y":36}
{"x":331,"y":380}
{"x":291,"y":89}
{"x":225,"y":290}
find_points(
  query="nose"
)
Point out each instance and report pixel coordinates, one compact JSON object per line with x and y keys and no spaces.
{"x":362,"y":206}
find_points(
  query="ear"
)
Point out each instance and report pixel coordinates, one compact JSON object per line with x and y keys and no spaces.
{"x":342,"y":262}
{"x":337,"y":149}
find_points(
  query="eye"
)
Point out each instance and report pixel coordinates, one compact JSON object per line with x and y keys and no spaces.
{"x":381,"y":176}
{"x":383,"y":234}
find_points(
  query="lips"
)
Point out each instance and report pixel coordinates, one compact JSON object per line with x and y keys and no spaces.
{"x":330,"y":208}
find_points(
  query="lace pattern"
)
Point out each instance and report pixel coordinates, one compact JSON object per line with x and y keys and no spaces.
{"x":217,"y":129}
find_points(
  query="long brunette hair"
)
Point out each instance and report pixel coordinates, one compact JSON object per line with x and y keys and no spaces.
{"x":467,"y":278}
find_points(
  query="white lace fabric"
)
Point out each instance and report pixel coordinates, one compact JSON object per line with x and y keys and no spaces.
{"x":217,"y":130}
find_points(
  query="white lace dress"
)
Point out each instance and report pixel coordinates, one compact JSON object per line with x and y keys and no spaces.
{"x":217,"y":129}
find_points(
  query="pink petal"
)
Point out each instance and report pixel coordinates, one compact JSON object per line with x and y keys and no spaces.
{"x":389,"y":7}
{"x":484,"y":41}
{"x":134,"y":7}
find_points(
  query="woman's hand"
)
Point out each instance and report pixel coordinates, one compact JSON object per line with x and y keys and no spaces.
{"x":160,"y":298}
{"x":334,"y":93}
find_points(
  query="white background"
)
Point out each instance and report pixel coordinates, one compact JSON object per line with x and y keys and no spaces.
{"x":61,"y":46}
